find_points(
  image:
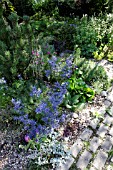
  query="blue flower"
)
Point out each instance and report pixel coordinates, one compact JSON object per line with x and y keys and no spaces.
{"x":33,"y":132}
{"x":3,"y":81}
{"x":41,"y":107}
{"x":19,"y":76}
{"x":67,"y":69}
{"x":57,"y":85}
{"x":35,"y":92}
{"x":17,"y":104}
{"x":66,"y":73}
{"x":52,"y":62}
{"x":54,"y":58}
{"x":48,"y":73}
{"x":45,"y":119}
{"x":63,"y":118}
{"x":73,"y":25}
{"x":69,"y":63}
{"x":48,"y":108}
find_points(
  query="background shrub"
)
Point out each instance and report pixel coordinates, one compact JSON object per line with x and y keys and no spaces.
{"x":71,"y":8}
{"x":23,"y":7}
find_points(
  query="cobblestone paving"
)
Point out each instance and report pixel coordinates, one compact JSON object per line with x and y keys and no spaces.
{"x":93,"y":149}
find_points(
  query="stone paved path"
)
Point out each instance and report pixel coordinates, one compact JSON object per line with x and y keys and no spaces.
{"x":93,"y":150}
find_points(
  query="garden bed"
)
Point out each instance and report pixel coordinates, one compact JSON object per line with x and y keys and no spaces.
{"x":51,"y":85}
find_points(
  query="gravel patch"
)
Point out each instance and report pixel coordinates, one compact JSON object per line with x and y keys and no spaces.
{"x":11,"y":156}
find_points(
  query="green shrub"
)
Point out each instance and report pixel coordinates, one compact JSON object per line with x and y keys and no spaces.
{"x":46,"y":8}
{"x":93,"y":35}
{"x":96,"y":7}
{"x":16,"y":46}
{"x":23,"y":7}
{"x":85,"y":37}
{"x":105,"y":47}
{"x":70,"y":8}
{"x":110,"y":6}
{"x":90,"y":36}
{"x":63,"y":32}
{"x":91,"y":73}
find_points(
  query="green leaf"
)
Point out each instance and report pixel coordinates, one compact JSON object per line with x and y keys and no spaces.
{"x":31,"y":100}
{"x":80,"y":106}
{"x":75,"y":99}
{"x":68,"y":106}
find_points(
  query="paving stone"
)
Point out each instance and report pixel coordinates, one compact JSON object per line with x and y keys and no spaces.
{"x":111,"y":111}
{"x":108,"y":120}
{"x":107,"y":144}
{"x":94,"y":123}
{"x":86,"y":134}
{"x":76,"y":148}
{"x":112,"y":159}
{"x":111,"y":131}
{"x":100,"y":160}
{"x":92,"y":168}
{"x":102,"y":130}
{"x":107,"y":103}
{"x":110,"y":96}
{"x":94,"y":144}
{"x":109,"y":167}
{"x":102,"y":111}
{"x":103,"y":62}
{"x":67,"y":165}
{"x":84,"y":159}
{"x":104,"y":93}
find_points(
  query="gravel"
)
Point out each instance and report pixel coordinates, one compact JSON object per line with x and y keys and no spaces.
{"x":11,"y":157}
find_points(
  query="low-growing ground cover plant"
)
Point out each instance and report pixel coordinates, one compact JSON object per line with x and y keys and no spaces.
{"x":49,"y":152}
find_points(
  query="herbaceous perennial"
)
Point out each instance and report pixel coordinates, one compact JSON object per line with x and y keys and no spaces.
{"x":48,"y":109}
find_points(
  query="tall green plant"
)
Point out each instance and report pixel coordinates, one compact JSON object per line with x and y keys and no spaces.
{"x":16,"y":46}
